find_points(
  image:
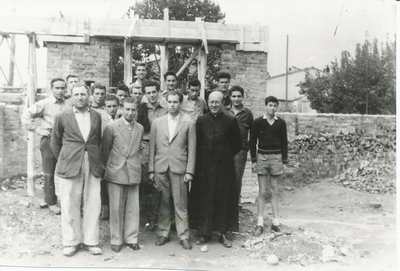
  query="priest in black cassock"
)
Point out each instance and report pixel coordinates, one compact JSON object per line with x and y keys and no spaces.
{"x":213,"y":198}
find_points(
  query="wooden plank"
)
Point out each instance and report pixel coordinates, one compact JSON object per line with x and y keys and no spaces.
{"x":12,"y":61}
{"x":189,"y":60}
{"x":201,"y":71}
{"x":203,"y":34}
{"x":63,"y":39}
{"x":30,"y":100}
{"x":127,"y":61}
{"x":144,"y":30}
{"x":164,"y":56}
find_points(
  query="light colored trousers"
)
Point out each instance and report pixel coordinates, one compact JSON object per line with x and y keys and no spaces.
{"x":74,"y":193}
{"x":172,"y":184}
{"x":124,"y":213}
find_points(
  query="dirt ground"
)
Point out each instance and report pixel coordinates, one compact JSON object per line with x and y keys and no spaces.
{"x":326,"y":227}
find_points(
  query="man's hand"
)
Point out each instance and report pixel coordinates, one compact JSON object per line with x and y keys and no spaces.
{"x":254,"y":167}
{"x":187,"y":178}
{"x":151,"y":177}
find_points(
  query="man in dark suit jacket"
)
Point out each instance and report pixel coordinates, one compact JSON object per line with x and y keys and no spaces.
{"x":76,"y":143}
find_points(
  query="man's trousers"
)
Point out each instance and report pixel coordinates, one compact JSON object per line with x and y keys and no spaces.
{"x":240,"y":160}
{"x":83,"y":190}
{"x":124,"y":213}
{"x":172,"y":184}
{"x":48,"y":166}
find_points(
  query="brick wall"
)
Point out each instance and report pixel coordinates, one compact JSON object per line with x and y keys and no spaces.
{"x":88,"y":61}
{"x":249,"y":70}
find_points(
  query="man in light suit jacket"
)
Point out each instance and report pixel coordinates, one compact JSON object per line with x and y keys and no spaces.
{"x":122,"y":153}
{"x":171,"y":167}
{"x":75,"y":142}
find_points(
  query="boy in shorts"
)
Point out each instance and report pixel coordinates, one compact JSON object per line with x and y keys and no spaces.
{"x":269,"y":151}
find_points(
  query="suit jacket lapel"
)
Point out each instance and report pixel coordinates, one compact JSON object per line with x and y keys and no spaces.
{"x":164,"y":127}
{"x":92,"y":122}
{"x":178,"y":127}
{"x":75,"y":124}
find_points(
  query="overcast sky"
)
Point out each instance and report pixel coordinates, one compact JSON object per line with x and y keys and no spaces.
{"x":310,"y":25}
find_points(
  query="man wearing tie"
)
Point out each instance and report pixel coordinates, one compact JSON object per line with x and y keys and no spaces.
{"x":171,"y":167}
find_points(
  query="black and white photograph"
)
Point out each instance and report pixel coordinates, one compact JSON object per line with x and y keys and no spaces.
{"x":199,"y":135}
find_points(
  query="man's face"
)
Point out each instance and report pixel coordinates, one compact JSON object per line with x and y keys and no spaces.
{"x":99,"y":96}
{"x":111,"y":108}
{"x":141,"y":72}
{"x":151,"y":94}
{"x":173,"y":104}
{"x":121,"y":95}
{"x":71,"y":82}
{"x":194,"y":92}
{"x":223,"y":84}
{"x":214,"y":103}
{"x":58,"y":89}
{"x":171,"y":82}
{"x":271,"y":108}
{"x":137,"y":91}
{"x":129,"y":111}
{"x":81,"y":97}
{"x":237,"y":98}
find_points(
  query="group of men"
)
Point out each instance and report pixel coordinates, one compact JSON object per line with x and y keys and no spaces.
{"x":99,"y":149}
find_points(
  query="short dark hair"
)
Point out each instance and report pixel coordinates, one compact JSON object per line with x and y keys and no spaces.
{"x":271,"y":99}
{"x":71,"y":76}
{"x":56,"y":80}
{"x":223,"y":75}
{"x":169,"y":73}
{"x":123,"y":87}
{"x":140,"y":64}
{"x":99,"y":86}
{"x":173,"y":93}
{"x":110,"y":97}
{"x":237,"y":88}
{"x":131,"y":100}
{"x":194,"y":83}
{"x":151,"y":84}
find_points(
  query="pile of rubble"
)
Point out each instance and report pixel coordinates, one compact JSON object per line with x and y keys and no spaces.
{"x":302,"y":247}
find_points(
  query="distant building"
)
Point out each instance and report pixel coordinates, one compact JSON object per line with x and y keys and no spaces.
{"x":297,"y":102}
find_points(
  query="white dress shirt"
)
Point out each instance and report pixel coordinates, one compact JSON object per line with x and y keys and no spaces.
{"x":172,"y":124}
{"x":83,"y":120}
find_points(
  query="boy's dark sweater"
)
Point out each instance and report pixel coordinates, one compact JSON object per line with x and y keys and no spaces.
{"x":271,"y":139}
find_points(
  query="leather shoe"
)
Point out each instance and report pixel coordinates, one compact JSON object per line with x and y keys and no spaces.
{"x":94,"y":250}
{"x":275,"y":228}
{"x":201,"y":240}
{"x":55,"y":209}
{"x":161,"y":240}
{"x":70,"y":250}
{"x":116,"y":248}
{"x":134,"y":246}
{"x":185,"y":243}
{"x":225,"y":241}
{"x":43,"y":204}
{"x":258,"y":230}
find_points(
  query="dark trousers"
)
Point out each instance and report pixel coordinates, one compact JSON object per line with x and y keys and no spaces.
{"x":240,"y":160}
{"x":104,"y":192}
{"x":48,"y":165}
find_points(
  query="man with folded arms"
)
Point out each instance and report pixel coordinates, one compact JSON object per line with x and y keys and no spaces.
{"x":76,"y":141}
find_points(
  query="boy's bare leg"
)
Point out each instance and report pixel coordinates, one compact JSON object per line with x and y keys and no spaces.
{"x":260,"y":201}
{"x":275,"y":199}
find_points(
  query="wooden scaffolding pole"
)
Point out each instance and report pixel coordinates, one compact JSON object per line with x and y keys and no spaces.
{"x":201,"y":71}
{"x":12,"y":61}
{"x":127,"y":61}
{"x":30,"y":100}
{"x":164,"y":53}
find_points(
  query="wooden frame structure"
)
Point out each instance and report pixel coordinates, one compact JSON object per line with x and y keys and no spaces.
{"x":164,"y":32}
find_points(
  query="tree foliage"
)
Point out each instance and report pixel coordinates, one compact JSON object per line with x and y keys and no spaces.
{"x":362,"y":84}
{"x":186,"y":10}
